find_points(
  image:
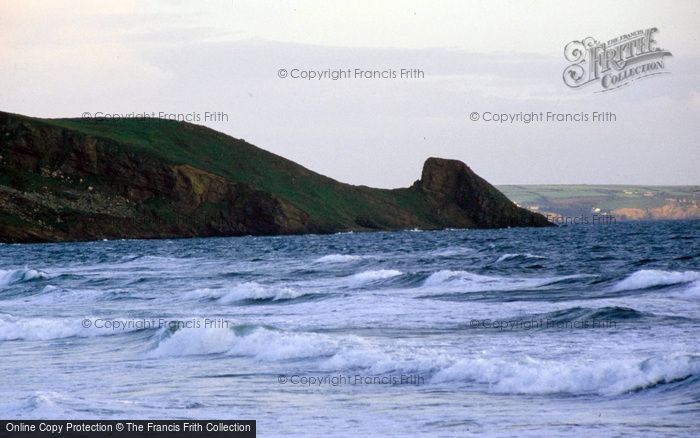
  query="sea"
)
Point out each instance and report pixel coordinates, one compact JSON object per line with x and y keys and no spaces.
{"x":573,"y":330}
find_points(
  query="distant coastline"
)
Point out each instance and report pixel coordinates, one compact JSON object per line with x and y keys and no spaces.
{"x":621,"y":202}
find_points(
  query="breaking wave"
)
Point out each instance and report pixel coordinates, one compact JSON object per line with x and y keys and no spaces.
{"x":338,"y":258}
{"x":515,"y":376}
{"x":19,"y":276}
{"x":649,"y":278}
{"x":606,"y":377}
{"x":257,"y":342}
{"x":470,"y":282}
{"x":13,"y":328}
{"x":527,"y":255}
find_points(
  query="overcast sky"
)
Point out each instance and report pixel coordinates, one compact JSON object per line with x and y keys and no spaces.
{"x":61,"y":59}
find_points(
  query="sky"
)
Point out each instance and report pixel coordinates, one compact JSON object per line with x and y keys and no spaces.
{"x":63,"y":59}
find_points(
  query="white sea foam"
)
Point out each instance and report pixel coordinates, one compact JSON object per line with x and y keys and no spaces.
{"x":648,"y":278}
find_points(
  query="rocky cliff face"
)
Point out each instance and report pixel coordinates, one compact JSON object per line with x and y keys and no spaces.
{"x":60,"y":180}
{"x":459,"y":194}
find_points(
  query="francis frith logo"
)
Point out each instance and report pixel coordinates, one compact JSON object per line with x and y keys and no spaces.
{"x":614,"y":63}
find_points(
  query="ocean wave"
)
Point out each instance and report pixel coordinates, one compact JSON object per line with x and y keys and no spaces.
{"x":526,"y":255}
{"x":245,"y":291}
{"x":338,"y":258}
{"x":610,"y":313}
{"x":361,"y":355}
{"x":202,"y":295}
{"x":527,"y":375}
{"x":371,"y":276}
{"x":450,"y":251}
{"x":19,"y":276}
{"x":194,"y":341}
{"x":260,"y":343}
{"x":51,"y":294}
{"x":270,"y":345}
{"x":607,"y":377}
{"x":470,"y":282}
{"x":649,"y":278}
{"x":43,"y":329}
{"x":41,"y":404}
{"x":574,"y":317}
{"x":524,"y":375}
{"x":255,"y":291}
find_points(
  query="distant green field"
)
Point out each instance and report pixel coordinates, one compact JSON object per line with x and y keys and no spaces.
{"x":584,"y":199}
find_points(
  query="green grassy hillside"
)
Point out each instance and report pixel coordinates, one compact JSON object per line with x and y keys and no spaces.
{"x":64,"y":179}
{"x":182,"y":143}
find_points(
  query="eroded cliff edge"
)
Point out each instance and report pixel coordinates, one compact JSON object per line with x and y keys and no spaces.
{"x":69,"y":179}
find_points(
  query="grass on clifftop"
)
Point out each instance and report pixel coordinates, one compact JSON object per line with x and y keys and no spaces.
{"x":183,"y":143}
